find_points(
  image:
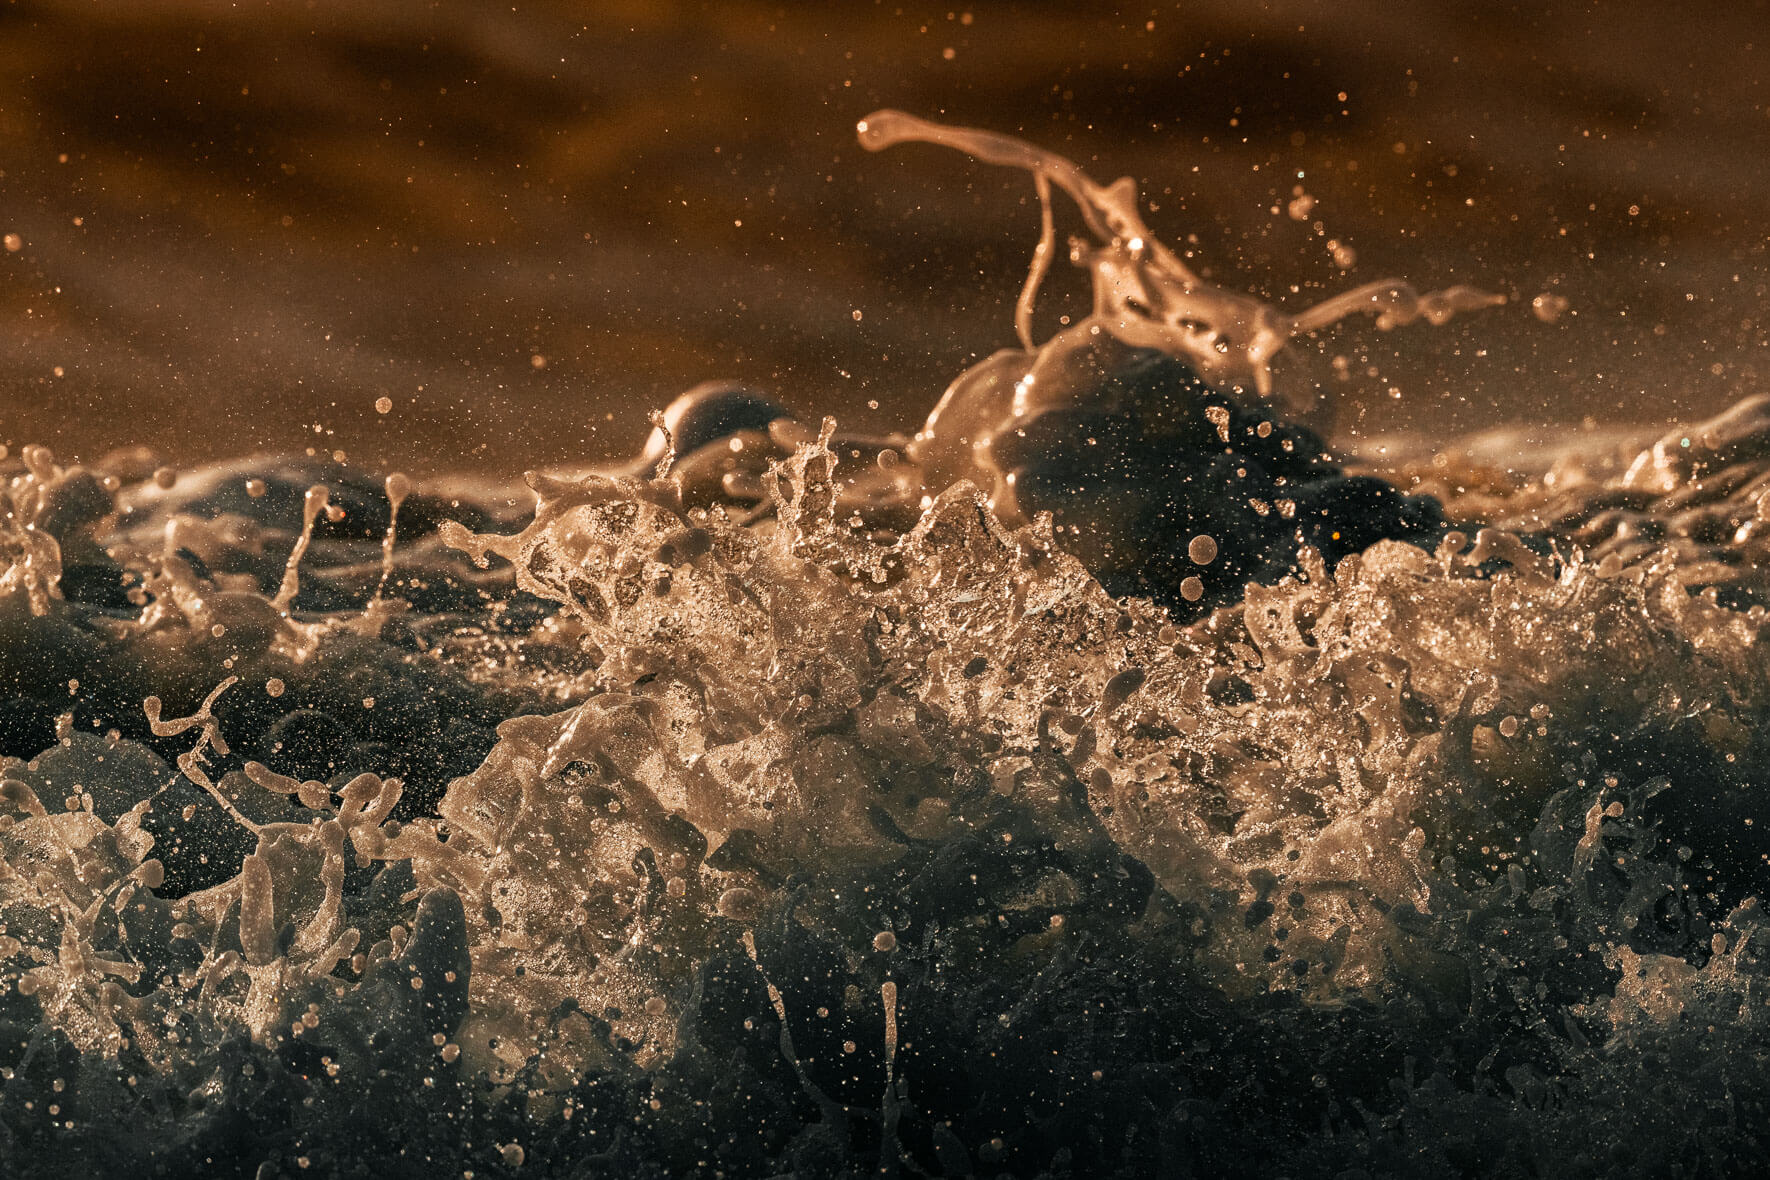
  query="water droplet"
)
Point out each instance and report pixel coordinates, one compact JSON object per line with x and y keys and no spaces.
{"x":1548,"y":307}
{"x":738,"y":904}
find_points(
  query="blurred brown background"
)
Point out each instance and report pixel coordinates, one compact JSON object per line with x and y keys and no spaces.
{"x":227,"y":224}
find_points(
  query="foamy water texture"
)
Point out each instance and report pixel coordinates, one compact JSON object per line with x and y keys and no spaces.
{"x":1106,"y":780}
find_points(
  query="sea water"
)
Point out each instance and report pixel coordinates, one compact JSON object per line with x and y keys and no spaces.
{"x":1106,"y":779}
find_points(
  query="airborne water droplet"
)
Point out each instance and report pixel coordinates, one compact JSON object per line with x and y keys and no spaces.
{"x":1548,"y":307}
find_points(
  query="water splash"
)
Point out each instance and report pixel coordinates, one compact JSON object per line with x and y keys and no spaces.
{"x":312,"y":505}
{"x":594,"y":851}
{"x":1144,"y":295}
{"x":31,"y":553}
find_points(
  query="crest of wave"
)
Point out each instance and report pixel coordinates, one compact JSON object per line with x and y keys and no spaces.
{"x":1419,"y":778}
{"x":1323,"y":780}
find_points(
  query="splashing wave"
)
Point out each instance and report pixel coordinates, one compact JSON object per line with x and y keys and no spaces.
{"x":754,"y":809}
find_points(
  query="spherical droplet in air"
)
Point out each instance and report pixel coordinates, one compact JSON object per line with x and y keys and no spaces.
{"x":384,"y":405}
{"x":739,"y":904}
{"x":1202,"y":549}
{"x":1191,"y":589}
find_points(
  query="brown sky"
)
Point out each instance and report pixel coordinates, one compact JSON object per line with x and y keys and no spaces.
{"x":235,"y":222}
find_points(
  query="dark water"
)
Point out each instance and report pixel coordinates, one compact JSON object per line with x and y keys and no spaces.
{"x":238,"y":224}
